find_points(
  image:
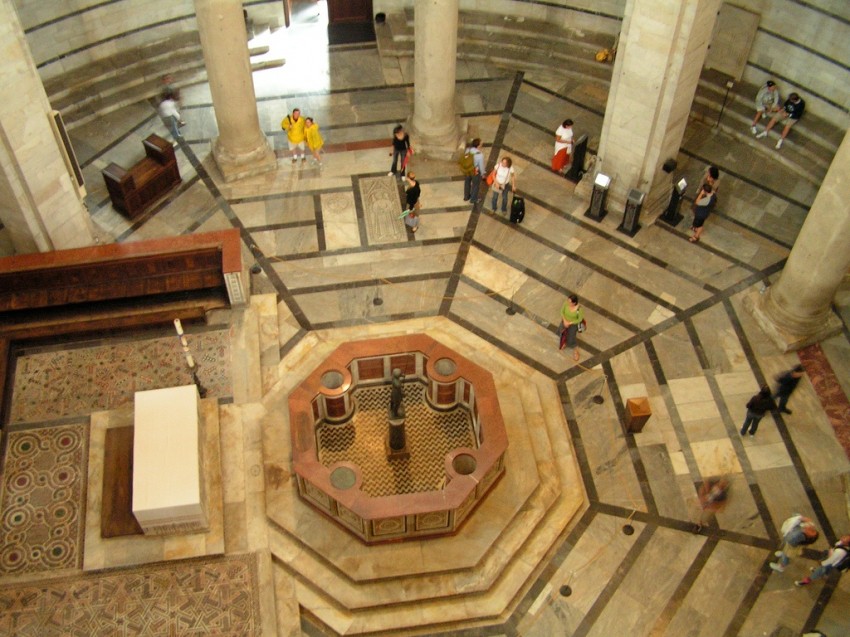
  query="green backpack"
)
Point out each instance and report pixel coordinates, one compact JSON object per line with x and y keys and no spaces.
{"x":467,"y":164}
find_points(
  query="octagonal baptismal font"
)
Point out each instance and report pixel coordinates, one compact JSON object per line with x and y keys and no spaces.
{"x":393,"y":464}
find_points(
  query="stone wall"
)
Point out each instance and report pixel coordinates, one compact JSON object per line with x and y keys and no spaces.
{"x":800,"y":44}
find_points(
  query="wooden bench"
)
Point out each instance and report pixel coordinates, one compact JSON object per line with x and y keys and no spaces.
{"x":117,"y":286}
{"x":133,"y":190}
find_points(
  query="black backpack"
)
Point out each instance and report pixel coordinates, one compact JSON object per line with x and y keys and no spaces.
{"x":844,"y":563}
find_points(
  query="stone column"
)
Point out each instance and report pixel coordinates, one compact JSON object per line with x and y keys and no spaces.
{"x":661,"y":51}
{"x":435,"y":129}
{"x":796,"y":311}
{"x":39,"y":202}
{"x":241,"y":149}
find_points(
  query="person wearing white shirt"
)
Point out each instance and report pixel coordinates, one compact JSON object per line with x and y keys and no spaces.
{"x":563,"y":145}
{"x":170,"y":116}
{"x":504,"y":182}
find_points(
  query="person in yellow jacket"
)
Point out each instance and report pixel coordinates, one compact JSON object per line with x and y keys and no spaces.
{"x":294,"y":127}
{"x":314,"y":138}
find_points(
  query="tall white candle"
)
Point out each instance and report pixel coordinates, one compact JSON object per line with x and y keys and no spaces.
{"x":178,"y":326}
{"x":190,"y":361}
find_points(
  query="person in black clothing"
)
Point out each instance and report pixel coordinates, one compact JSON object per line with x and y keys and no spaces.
{"x":757,"y":407}
{"x":412,"y":201}
{"x":703,"y":205}
{"x":787,"y":383}
{"x":401,"y":147}
{"x":790,"y":114}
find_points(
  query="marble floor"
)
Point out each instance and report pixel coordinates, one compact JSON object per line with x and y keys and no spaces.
{"x":666,"y":322}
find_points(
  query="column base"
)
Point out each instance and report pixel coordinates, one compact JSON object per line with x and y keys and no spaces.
{"x":440,"y":146}
{"x":787,"y":341}
{"x":256,"y":162}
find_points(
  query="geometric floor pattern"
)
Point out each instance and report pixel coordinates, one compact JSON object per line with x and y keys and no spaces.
{"x":430,"y":436}
{"x":42,"y":501}
{"x":199,"y":598}
{"x":74,"y":382}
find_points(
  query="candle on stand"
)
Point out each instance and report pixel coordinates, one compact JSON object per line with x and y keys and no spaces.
{"x":178,"y":326}
{"x":184,"y":343}
{"x":190,"y":361}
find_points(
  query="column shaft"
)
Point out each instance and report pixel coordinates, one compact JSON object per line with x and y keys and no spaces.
{"x":661,"y":51}
{"x":40,"y":205}
{"x":434,"y":125}
{"x":241,"y":149}
{"x":797,"y":310}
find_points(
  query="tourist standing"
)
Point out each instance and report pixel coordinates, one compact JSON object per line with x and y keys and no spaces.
{"x":703,"y":205}
{"x":314,"y":139}
{"x":472,"y":183}
{"x":402,"y":149}
{"x":294,"y":126}
{"x":170,"y":116}
{"x":563,"y":145}
{"x":412,"y":204}
{"x":757,"y":407}
{"x":572,"y":321}
{"x":504,"y":182}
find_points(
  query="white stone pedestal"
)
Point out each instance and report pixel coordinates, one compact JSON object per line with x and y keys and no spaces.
{"x":168,"y":492}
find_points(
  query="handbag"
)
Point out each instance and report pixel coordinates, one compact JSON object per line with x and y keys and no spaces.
{"x":491,"y":177}
{"x":582,"y":327}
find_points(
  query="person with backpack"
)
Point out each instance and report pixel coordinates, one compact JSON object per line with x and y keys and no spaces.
{"x":472,"y":166}
{"x":838,"y":559}
{"x":797,"y":531}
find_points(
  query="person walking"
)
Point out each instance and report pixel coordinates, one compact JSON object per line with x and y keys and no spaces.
{"x":757,"y":407}
{"x":412,"y":195}
{"x":767,"y":103}
{"x":504,"y":182}
{"x":402,"y":149}
{"x":572,"y":321}
{"x":790,"y":114}
{"x":170,"y":116}
{"x":713,"y":494}
{"x":786,"y":384}
{"x":294,"y":125}
{"x":472,"y":183}
{"x":563,"y":145}
{"x":838,"y":559}
{"x":797,"y":532}
{"x":314,"y":139}
{"x":703,"y":205}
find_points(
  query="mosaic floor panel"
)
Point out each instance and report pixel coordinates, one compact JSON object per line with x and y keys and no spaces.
{"x":42,"y":502}
{"x":203,"y":598}
{"x":77,"y":381}
{"x":430,"y":435}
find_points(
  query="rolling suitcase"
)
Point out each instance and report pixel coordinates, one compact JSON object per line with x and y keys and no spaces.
{"x":517,"y":210}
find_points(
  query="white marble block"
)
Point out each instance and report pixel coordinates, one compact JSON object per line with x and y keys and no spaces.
{"x":168,"y":492}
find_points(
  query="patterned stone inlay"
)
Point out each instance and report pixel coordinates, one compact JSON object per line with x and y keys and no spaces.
{"x":42,"y":501}
{"x":77,"y":381}
{"x":381,"y":209}
{"x":200,"y":598}
{"x":430,"y":436}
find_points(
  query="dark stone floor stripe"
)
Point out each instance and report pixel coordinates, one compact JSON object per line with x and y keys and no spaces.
{"x":747,"y":180}
{"x":365,"y":283}
{"x":796,"y":460}
{"x":531,"y":316}
{"x":134,"y":130}
{"x":732,"y":429}
{"x":222,"y":204}
{"x":321,"y":242}
{"x":388,"y":318}
{"x":749,"y":600}
{"x":472,"y":224}
{"x":613,"y":585}
{"x":821,"y":603}
{"x":281,"y":258}
{"x":292,"y":342}
{"x":686,"y":526}
{"x":578,"y":443}
{"x":532,"y":274}
{"x":555,"y":247}
{"x":561,"y":96}
{"x":298,"y":193}
{"x":508,"y":349}
{"x":565,"y":545}
{"x":674,"y":603}
{"x":282,"y":226}
{"x":631,"y":444}
{"x":675,"y":319}
{"x":358,"y":207}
